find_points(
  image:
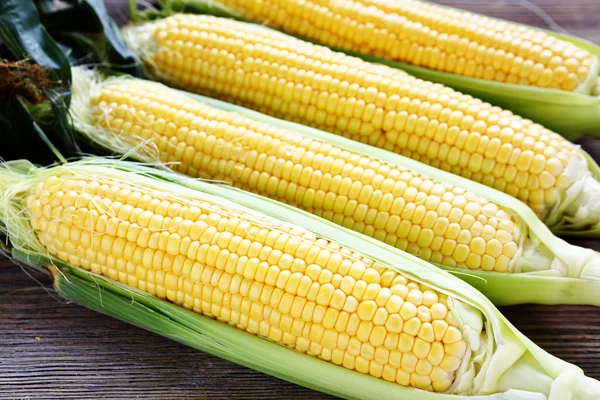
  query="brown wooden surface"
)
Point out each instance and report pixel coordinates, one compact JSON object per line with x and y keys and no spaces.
{"x":53,"y":350}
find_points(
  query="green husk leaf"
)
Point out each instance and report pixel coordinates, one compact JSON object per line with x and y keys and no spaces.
{"x":592,"y":165}
{"x":571,"y":114}
{"x":517,"y":369}
{"x":579,"y":284}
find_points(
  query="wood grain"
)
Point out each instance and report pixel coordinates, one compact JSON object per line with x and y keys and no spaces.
{"x":50,"y":349}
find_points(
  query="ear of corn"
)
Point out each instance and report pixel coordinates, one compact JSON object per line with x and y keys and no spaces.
{"x":361,"y":188}
{"x":290,"y":79}
{"x":488,"y":58}
{"x":117,"y":232}
{"x":435,"y":37}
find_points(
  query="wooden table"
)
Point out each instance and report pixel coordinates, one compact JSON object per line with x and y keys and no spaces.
{"x":53,"y":350}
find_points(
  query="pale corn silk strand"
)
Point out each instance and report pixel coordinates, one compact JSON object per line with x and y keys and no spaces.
{"x":435,"y":221}
{"x":258,"y":274}
{"x":432,"y":36}
{"x":295,"y":80}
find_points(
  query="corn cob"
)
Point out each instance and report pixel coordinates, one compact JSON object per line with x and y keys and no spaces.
{"x":435,"y":37}
{"x":291,"y":79}
{"x":209,"y":249}
{"x":290,"y":287}
{"x":438,"y":222}
{"x":488,"y":58}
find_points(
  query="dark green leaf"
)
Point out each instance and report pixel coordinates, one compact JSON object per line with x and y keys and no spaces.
{"x":22,"y":137}
{"x":199,"y":7}
{"x":26,"y":39}
{"x":89,"y":17}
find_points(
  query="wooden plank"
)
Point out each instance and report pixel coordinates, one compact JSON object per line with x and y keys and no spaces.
{"x":54,"y":350}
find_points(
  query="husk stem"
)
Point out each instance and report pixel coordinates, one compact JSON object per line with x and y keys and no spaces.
{"x":572,"y":114}
{"x":514,"y":367}
{"x":545,"y":260}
